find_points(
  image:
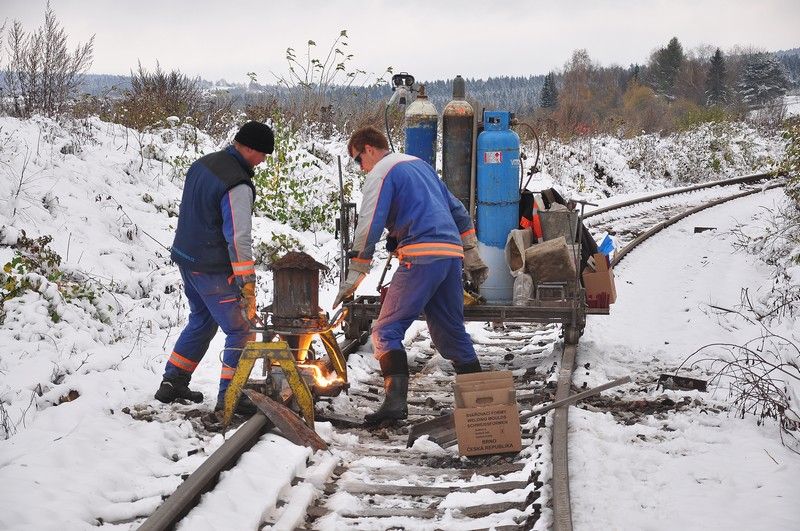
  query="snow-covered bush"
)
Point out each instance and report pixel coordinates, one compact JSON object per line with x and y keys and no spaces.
{"x":35,"y":267}
{"x":607,"y":165}
{"x":791,"y":161}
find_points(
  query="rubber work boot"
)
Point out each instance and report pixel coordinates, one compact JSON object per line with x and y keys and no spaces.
{"x":245,"y":407}
{"x":467,"y":368}
{"x":394,"y":366}
{"x":177,"y":388}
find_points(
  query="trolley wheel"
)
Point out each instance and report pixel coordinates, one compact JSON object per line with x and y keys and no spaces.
{"x":572,"y":334}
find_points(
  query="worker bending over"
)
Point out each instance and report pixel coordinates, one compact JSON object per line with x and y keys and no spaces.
{"x":435,"y":242}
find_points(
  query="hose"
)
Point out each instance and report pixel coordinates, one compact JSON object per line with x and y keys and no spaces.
{"x":386,"y":121}
{"x":534,"y":168}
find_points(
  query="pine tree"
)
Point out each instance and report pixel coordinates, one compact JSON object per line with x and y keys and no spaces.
{"x":635,"y":72}
{"x":548,"y":98}
{"x":716,"y":90}
{"x":763,"y":80}
{"x":665,"y":67}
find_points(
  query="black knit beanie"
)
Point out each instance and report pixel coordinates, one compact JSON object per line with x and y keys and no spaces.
{"x":257,"y":136}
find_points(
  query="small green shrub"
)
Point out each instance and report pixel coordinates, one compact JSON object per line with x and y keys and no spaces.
{"x":692,"y":115}
{"x":35,"y":267}
{"x":291,"y":187}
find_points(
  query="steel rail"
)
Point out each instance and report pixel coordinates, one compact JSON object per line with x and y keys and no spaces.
{"x":747,"y":179}
{"x":562,"y":512}
{"x":666,"y":223}
{"x":206,"y":476}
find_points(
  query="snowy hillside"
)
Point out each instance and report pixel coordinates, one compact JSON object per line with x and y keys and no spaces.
{"x":88,"y":318}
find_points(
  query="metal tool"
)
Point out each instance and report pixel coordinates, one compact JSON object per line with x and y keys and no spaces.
{"x":293,"y":373}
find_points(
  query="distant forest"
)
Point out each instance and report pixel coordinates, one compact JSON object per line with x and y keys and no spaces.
{"x":507,"y":92}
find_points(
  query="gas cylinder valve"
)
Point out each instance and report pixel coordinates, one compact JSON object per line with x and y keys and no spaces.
{"x":402,"y":87}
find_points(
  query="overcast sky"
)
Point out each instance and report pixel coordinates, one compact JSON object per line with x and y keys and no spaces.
{"x":434,"y":39}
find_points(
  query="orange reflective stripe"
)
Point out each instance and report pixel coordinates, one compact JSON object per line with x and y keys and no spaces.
{"x":362,"y":260}
{"x":243,"y":268}
{"x":414,"y":246}
{"x":182,"y":363}
{"x":416,"y":250}
{"x":454,"y":254}
{"x":430,"y":249}
{"x":235,"y":299}
{"x":227,"y":373}
{"x":467,"y":233}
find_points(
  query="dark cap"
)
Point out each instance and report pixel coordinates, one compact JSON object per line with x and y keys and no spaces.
{"x":257,"y":136}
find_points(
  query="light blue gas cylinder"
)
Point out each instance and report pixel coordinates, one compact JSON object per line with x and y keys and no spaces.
{"x":422,"y":124}
{"x":497,"y":199}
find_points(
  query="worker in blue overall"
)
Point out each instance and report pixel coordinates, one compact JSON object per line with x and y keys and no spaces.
{"x":435,"y":241}
{"x":214,"y":254}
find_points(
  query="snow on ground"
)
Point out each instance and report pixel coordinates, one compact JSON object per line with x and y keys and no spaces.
{"x":687,"y":470}
{"x":792,"y":102}
{"x":83,"y":345}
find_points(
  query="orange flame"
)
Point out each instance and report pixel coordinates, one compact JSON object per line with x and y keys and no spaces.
{"x":321,"y":379}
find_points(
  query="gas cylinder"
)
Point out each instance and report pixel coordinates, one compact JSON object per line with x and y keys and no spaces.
{"x":422,"y":123}
{"x":497,"y":198}
{"x":457,"y":127}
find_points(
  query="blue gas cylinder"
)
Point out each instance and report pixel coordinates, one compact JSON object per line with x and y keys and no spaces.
{"x":497,"y":200}
{"x":422,"y":124}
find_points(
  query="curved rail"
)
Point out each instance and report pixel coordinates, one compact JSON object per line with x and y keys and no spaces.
{"x":562,"y":513}
{"x":666,"y":223}
{"x":747,"y":179}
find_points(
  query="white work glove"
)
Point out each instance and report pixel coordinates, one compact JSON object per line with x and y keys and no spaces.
{"x":475,"y":270}
{"x":356,"y":273}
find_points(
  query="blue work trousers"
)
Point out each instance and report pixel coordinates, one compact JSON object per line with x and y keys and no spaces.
{"x":213,"y":303}
{"x":436,"y":289}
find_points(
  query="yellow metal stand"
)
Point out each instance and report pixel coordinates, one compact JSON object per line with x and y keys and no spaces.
{"x":334,"y":353}
{"x":277,"y":352}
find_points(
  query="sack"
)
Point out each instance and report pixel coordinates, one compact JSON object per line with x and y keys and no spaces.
{"x":523,"y":289}
{"x":516,"y":244}
{"x":551,"y":261}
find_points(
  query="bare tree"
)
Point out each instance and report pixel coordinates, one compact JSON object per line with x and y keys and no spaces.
{"x":42,"y":73}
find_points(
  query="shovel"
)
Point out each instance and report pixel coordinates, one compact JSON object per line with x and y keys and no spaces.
{"x":442,"y":430}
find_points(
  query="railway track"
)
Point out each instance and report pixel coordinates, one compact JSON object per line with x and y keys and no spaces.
{"x":370,"y":480}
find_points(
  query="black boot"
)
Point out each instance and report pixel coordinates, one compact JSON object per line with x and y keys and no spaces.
{"x":245,"y":407}
{"x":394,"y":366}
{"x":467,"y":368}
{"x":177,"y":388}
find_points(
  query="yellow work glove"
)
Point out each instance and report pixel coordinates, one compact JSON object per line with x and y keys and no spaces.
{"x":248,"y":301}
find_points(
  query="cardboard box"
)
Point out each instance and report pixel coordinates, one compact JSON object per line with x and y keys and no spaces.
{"x":599,"y":283}
{"x":486,"y":416}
